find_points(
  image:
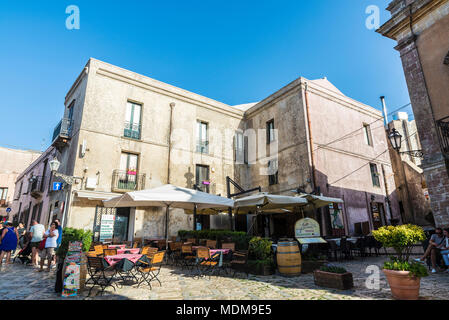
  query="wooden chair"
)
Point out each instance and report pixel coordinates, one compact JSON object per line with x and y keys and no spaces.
{"x":105,"y":246}
{"x":98,"y":250}
{"x":334,"y":250}
{"x":187,"y":256}
{"x":239,"y":262}
{"x":148,"y":251}
{"x":212,"y":244}
{"x":99,"y":274}
{"x":229,"y":245}
{"x":174,"y":253}
{"x":109,"y":252}
{"x":91,"y":254}
{"x":192,"y":240}
{"x":150,"y":271}
{"x":173,"y":238}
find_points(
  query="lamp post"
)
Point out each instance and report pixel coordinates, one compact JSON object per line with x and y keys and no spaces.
{"x":69,"y":180}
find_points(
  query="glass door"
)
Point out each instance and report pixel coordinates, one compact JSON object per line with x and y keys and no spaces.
{"x":121,"y":224}
{"x":128,"y":171}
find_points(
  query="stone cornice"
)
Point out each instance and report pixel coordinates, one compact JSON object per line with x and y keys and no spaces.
{"x":400,"y":21}
{"x":301,"y":84}
{"x":117,"y":73}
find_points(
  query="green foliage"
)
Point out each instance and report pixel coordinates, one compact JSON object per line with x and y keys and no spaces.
{"x":71,"y":234}
{"x":333,"y":269}
{"x":400,"y":238}
{"x":257,"y":264}
{"x":241,"y":239}
{"x":416,"y":269}
{"x":260,"y":249}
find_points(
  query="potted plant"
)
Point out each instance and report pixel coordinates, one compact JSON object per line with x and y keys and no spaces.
{"x":404,"y":277}
{"x":330,"y":276}
{"x":260,"y":257}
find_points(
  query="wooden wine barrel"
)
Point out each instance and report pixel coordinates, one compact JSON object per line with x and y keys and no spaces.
{"x":288,"y":258}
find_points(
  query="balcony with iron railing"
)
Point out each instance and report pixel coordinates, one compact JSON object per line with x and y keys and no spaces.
{"x":125,"y":181}
{"x":63,"y":132}
{"x":36,"y":186}
{"x":132,"y":130}
{"x":443,"y":131}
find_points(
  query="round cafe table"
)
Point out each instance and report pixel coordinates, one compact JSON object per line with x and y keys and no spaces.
{"x":128,"y":250}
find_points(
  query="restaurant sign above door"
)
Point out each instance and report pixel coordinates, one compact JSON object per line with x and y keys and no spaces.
{"x":307,"y":231}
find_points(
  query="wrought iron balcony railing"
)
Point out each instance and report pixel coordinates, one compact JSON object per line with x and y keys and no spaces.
{"x":124,"y":181}
{"x":63,"y":129}
{"x":443,"y":131}
{"x":132,"y":130}
{"x":36,"y":186}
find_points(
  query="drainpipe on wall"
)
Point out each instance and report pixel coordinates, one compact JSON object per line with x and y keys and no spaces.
{"x":172,"y":105}
{"x":309,"y":127}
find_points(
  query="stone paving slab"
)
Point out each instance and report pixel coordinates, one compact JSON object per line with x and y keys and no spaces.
{"x":19,"y":282}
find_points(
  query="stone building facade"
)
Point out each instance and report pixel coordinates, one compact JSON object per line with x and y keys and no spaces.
{"x":122,"y":131}
{"x":421,"y":29}
{"x":12,"y":163}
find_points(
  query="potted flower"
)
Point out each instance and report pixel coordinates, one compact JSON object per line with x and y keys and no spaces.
{"x":260,"y":257}
{"x":404,"y":277}
{"x":330,"y":276}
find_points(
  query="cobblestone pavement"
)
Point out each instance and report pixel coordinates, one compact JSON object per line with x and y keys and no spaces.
{"x":20,"y":282}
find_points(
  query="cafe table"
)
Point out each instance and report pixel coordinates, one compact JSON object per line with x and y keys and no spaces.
{"x":117,"y":246}
{"x":124,"y":263}
{"x":128,"y":250}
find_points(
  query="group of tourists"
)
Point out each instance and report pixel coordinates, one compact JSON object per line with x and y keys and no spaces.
{"x":438,"y":244}
{"x":39,"y":240}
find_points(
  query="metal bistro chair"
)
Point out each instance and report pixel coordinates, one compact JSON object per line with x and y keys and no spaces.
{"x":239,"y":262}
{"x":149,"y":251}
{"x":359,"y":247}
{"x":345,"y":247}
{"x":150,"y":271}
{"x":211,"y":244}
{"x":191,"y":240}
{"x":174,"y":253}
{"x":98,"y":250}
{"x":205,"y":262}
{"x":187,"y":256}
{"x":100,"y":275}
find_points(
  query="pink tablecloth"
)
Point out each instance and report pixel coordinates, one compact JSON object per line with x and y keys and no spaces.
{"x":133,"y":251}
{"x":114,"y":259}
{"x":117,"y":246}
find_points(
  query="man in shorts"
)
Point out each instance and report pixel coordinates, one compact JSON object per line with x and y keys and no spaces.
{"x":37,"y":235}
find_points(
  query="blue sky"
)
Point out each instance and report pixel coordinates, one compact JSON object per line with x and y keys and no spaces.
{"x":233,"y":51}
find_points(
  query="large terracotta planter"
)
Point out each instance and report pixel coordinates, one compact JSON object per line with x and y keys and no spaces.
{"x":403,"y":287}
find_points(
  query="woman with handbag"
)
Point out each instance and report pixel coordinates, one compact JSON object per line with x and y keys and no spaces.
{"x":49,"y":244}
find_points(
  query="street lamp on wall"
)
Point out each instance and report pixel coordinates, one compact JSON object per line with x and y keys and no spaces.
{"x":396,"y":142}
{"x":54,"y":166}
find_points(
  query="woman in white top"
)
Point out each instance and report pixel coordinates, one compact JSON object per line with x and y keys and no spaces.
{"x":445,"y":248}
{"x":50,"y":244}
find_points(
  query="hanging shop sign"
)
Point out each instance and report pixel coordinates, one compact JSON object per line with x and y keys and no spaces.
{"x":107,"y":227}
{"x":307,"y":231}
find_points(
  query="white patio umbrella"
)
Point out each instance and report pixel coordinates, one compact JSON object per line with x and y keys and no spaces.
{"x":267,"y":202}
{"x":319,"y":201}
{"x":169,"y":196}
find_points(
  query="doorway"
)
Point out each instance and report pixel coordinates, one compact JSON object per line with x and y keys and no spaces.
{"x":377,"y":214}
{"x":121,"y":224}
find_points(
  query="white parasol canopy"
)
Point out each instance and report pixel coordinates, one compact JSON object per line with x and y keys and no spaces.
{"x":319,"y":201}
{"x":172,"y":196}
{"x":266,"y":201}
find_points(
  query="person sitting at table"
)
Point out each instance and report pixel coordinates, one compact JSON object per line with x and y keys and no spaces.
{"x":434,"y":248}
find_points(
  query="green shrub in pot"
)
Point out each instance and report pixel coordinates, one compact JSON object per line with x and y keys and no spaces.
{"x":70,"y":235}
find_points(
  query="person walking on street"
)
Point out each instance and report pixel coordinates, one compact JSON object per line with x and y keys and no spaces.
{"x":37,"y":234}
{"x":9,"y":239}
{"x":51,"y":235}
{"x":21,"y":230}
{"x":58,"y":241}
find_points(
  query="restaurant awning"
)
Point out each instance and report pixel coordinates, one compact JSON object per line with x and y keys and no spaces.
{"x":95,"y":195}
{"x":267,"y":202}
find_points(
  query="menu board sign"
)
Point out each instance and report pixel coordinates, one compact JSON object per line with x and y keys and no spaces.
{"x":307,"y":231}
{"x":106,"y":227}
{"x":72,"y":264}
